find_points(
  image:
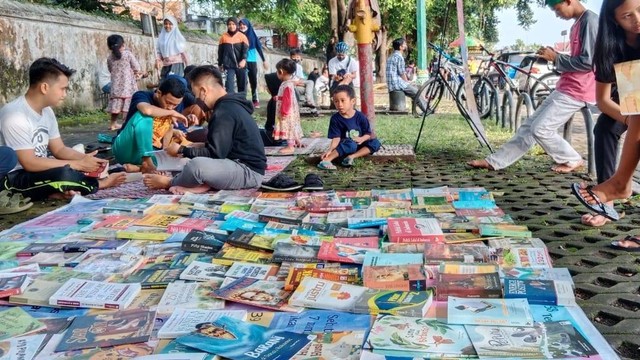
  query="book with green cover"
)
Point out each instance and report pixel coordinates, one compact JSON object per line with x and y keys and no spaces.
{"x":17,"y":322}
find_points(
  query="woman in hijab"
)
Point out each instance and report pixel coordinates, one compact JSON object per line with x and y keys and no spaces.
{"x":255,"y":50}
{"x":171,"y":57}
{"x":232,"y":56}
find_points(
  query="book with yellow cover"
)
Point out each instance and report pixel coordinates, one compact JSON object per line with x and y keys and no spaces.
{"x":229,"y":254}
{"x":157,"y":220}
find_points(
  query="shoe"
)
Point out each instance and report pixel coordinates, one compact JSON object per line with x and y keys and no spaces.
{"x":347,"y":162}
{"x":281,"y":182}
{"x":313,"y":182}
{"x":256,"y":104}
{"x":326,"y":165}
{"x":13,"y":203}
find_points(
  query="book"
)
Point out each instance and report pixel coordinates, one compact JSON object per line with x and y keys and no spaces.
{"x":399,"y":248}
{"x":108,"y":262}
{"x":412,"y":230}
{"x":285,"y":216}
{"x":143,"y":233}
{"x":561,"y":274}
{"x":17,"y":322}
{"x":157,"y":220}
{"x":384,"y":259}
{"x":503,"y":312}
{"x":550,"y":340}
{"x":364,"y":218}
{"x":506,"y":230}
{"x":237,"y":340}
{"x":126,"y":351}
{"x":296,"y":274}
{"x":190,"y":295}
{"x":330,"y":295}
{"x":152,"y":278}
{"x":202,"y":271}
{"x":345,"y":345}
{"x":203,"y":241}
{"x":626,"y":81}
{"x":416,"y":337}
{"x":354,"y":233}
{"x":260,"y":293}
{"x":37,"y":292}
{"x":21,"y":348}
{"x":535,"y":258}
{"x":540,"y":292}
{"x":480,"y":212}
{"x":468,"y":286}
{"x":311,"y":321}
{"x":134,"y":206}
{"x":296,"y":253}
{"x":251,"y":240}
{"x":348,"y":250}
{"x":107,"y":329}
{"x":188,"y":224}
{"x":116,"y":222}
{"x":183,"y":321}
{"x":456,"y":252}
{"x":86,"y":245}
{"x":395,"y":277}
{"x":253,"y":271}
{"x":13,"y":285}
{"x":228,"y":254}
{"x":94,"y":294}
{"x":35,"y":248}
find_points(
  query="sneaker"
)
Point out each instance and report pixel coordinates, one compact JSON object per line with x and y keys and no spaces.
{"x":313,"y":182}
{"x":281,"y":182}
{"x":256,"y":104}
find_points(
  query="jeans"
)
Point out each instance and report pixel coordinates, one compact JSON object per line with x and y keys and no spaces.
{"x":8,"y":160}
{"x":348,"y":146}
{"x":308,"y":91}
{"x":607,"y":134}
{"x":220,"y":174}
{"x":234,"y":74}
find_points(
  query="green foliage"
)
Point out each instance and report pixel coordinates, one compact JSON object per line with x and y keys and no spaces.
{"x":100,"y":7}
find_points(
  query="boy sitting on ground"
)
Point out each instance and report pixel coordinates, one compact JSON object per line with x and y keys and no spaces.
{"x":349,"y":131}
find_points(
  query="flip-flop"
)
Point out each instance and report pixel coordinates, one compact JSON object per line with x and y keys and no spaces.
{"x":616,"y":244}
{"x":599,"y":207}
{"x":347,"y":162}
{"x":326,"y":165}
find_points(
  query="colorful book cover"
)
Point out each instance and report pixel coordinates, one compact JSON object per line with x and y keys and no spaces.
{"x":190,"y":295}
{"x":467,"y":268}
{"x":480,"y":212}
{"x":188,"y":224}
{"x":203,"y":241}
{"x":37,"y":293}
{"x":398,"y":248}
{"x":506,"y":230}
{"x":535,"y":258}
{"x":296,"y":274}
{"x":364,"y":218}
{"x":108,"y":329}
{"x":251,"y":240}
{"x":383,"y":259}
{"x":415,"y":337}
{"x":135,"y":206}
{"x":561,"y":274}
{"x":296,"y":253}
{"x":229,"y":254}
{"x":203,"y":271}
{"x":120,"y":352}
{"x":259,"y":293}
{"x":414,"y":230}
{"x":395,"y":277}
{"x":344,"y":345}
{"x":116,"y":222}
{"x":143,"y":233}
{"x":171,"y":209}
{"x":299,"y":239}
{"x":540,"y":292}
{"x":516,"y":242}
{"x":468,"y":286}
{"x":36,"y":248}
{"x":418,"y":201}
{"x":17,"y":322}
{"x":21,"y":348}
{"x":94,"y":294}
{"x":13,"y":285}
{"x":312,"y":321}
{"x":348,"y":250}
{"x":86,"y":245}
{"x":456,"y":252}
{"x":152,"y":278}
{"x":157,"y":220}
{"x":108,"y":262}
{"x":238,"y":340}
{"x":253,"y":271}
{"x":550,"y":340}
{"x":503,"y":312}
{"x":355,"y":233}
{"x":233,"y":224}
{"x":184,"y":321}
{"x":458,"y":238}
{"x":281,"y":215}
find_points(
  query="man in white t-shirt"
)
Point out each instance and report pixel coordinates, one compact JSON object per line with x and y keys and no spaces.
{"x":342,"y":61}
{"x":29,"y":126}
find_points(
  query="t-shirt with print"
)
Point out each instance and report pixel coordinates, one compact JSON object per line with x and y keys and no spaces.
{"x":348,"y":64}
{"x":22,"y":128}
{"x":357,"y":125}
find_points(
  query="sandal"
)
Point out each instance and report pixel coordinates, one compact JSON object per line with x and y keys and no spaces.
{"x":313,"y":182}
{"x":617,"y":244}
{"x":326,"y":165}
{"x":347,"y":162}
{"x":599,"y":207}
{"x":11,"y":204}
{"x":281,"y":182}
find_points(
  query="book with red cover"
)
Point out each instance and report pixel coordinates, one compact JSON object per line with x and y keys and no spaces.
{"x":13,"y":285}
{"x":468,"y":286}
{"x":414,"y":230}
{"x":187,"y":224}
{"x":348,"y":250}
{"x":348,"y":276}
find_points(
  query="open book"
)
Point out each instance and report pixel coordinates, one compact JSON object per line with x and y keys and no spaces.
{"x":166,"y":162}
{"x":628,"y":83}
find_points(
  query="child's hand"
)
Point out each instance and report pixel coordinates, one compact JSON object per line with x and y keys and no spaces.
{"x":325,"y":155}
{"x":358,"y":139}
{"x":176,"y":117}
{"x":179,"y":135}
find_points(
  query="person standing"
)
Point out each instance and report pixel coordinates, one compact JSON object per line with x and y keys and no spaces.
{"x":233,"y":49}
{"x":255,"y":51}
{"x":124,"y":69}
{"x":171,"y":58}
{"x":397,"y":79}
{"x":287,"y":125}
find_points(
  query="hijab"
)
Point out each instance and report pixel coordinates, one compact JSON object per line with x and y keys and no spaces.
{"x":235,"y":21}
{"x":254,"y":42}
{"x":171,"y":43}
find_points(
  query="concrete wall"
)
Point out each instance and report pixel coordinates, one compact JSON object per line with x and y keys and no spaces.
{"x":78,"y":40}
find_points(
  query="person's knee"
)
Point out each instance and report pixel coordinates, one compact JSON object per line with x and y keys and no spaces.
{"x":373,"y":145}
{"x":346,"y":147}
{"x":540,"y":131}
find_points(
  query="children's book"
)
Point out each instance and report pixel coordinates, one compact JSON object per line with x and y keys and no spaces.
{"x":561,"y":274}
{"x":250,"y":240}
{"x":550,"y":340}
{"x":476,"y":253}
{"x":312,"y":321}
{"x":296,"y":274}
{"x":21,"y":348}
{"x":202,"y":271}
{"x":253,"y":271}
{"x":468,"y":286}
{"x":190,"y":295}
{"x":184,"y":321}
{"x":260,"y":293}
{"x":503,"y":312}
{"x":108,"y":262}
{"x":284,"y":216}
{"x":414,"y":230}
{"x":395,"y":277}
{"x":237,"y":340}
{"x":345,"y":345}
{"x":348,"y":250}
{"x":17,"y":322}
{"x":203,"y":241}
{"x":228,"y":254}
{"x":94,"y":294}
{"x":108,"y":329}
{"x":416,"y":337}
{"x":296,"y":253}
{"x":540,"y":292}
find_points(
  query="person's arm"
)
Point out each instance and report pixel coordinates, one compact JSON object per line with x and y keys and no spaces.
{"x":365,"y":129}
{"x":334,"y":145}
{"x":185,"y":59}
{"x":220,"y":51}
{"x":147,"y":109}
{"x":219,"y":137}
{"x":401,"y":69}
{"x":606,"y":104}
{"x":287,"y":102}
{"x":583,"y":62}
{"x":135,"y":65}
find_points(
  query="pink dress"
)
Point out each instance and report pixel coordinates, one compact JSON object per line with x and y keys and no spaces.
{"x":123,"y":81}
{"x":287,"y":113}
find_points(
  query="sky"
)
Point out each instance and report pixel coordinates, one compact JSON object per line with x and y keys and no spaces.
{"x":545,"y":31}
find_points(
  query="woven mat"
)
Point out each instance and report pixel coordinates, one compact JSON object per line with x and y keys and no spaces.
{"x":310,"y":146}
{"x":137,"y":190}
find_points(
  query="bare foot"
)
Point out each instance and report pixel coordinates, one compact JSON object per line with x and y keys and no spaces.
{"x":286,"y":151}
{"x":594,"y":220}
{"x":480,"y":164}
{"x":607,"y":192}
{"x":181,"y":190}
{"x":115,"y":127}
{"x":112,"y":180}
{"x":67,"y":195}
{"x":131,"y":168}
{"x":155,"y":181}
{"x":315,"y":134}
{"x":568,"y":167}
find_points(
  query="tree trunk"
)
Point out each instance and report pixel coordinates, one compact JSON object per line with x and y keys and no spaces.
{"x":333,"y":13}
{"x":342,"y":15}
{"x":381,"y":57}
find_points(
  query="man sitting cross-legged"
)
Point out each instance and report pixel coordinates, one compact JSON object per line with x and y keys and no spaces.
{"x":232,"y":156}
{"x":29,"y":126}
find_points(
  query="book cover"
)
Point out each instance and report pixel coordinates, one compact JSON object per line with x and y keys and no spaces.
{"x":415,"y":337}
{"x":399,"y":248}
{"x":355,"y":233}
{"x":188,"y":224}
{"x":295,"y":253}
{"x":395,"y":277}
{"x":37,"y":293}
{"x":296,"y":274}
{"x":228,"y":254}
{"x":13,"y":285}
{"x":300,"y":239}
{"x":203,"y":271}
{"x":561,"y":274}
{"x":503,"y":312}
{"x":550,"y":340}
{"x":86,"y":245}
{"x":116,"y":222}
{"x":540,"y":292}
{"x":253,"y":271}
{"x":134,"y":206}
{"x":312,"y":321}
{"x":468,"y":286}
{"x":94,"y":294}
{"x":516,"y":242}
{"x":203,"y":241}
{"x":171,"y":209}
{"x":230,"y":206}
{"x":143,"y":233}
{"x":177,"y":351}
{"x":184,"y":321}
{"x":365,"y":218}
{"x":344,"y":345}
{"x":506,"y":230}
{"x":260,"y":293}
{"x":626,"y":81}
{"x":21,"y":348}
{"x":413,"y":230}
{"x":348,"y":250}
{"x":237,"y":340}
{"x":480,"y":212}
{"x":108,"y":329}
{"x":417,"y":201}
{"x":281,"y":215}
{"x":190,"y":295}
{"x":120,"y":352}
{"x":157,"y":220}
{"x":17,"y":322}
{"x":153,"y":279}
{"x":35,"y":248}
{"x":402,"y":258}
{"x":456,"y":252}
{"x":535,"y":258}
{"x":108,"y":262}
{"x":250,"y":240}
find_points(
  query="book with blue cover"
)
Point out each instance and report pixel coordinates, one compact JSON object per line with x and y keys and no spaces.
{"x":503,"y":312}
{"x":540,"y":292}
{"x":238,"y":340}
{"x":385,"y":259}
{"x":312,"y":321}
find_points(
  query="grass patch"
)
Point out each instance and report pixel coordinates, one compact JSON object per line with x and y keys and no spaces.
{"x":84,"y":118}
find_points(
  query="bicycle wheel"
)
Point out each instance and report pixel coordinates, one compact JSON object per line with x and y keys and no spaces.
{"x":508,"y":109}
{"x":483,"y":92}
{"x":430,"y":93}
{"x":524,"y":109}
{"x":542,"y":87}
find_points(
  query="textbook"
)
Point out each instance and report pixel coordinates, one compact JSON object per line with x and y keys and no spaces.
{"x":540,"y":292}
{"x":237,"y":340}
{"x":107,"y":329}
{"x":190,"y":295}
{"x":203,"y":271}
{"x":260,"y":293}
{"x":414,"y":230}
{"x":94,"y":294}
{"x":502,"y":312}
{"x":183,"y":321}
{"x":17,"y":322}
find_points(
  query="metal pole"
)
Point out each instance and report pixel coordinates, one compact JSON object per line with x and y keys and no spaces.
{"x":421,"y":14}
